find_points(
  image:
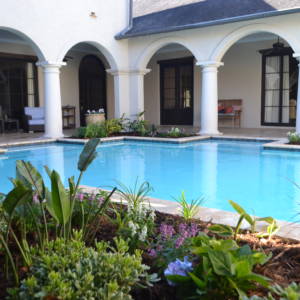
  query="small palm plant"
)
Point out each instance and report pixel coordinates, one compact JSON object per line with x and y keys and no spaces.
{"x":189,"y":209}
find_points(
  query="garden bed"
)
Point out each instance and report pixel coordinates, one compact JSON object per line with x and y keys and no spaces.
{"x":283,"y":268}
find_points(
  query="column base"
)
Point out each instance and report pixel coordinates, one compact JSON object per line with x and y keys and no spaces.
{"x":210,"y":133}
{"x":49,"y":136}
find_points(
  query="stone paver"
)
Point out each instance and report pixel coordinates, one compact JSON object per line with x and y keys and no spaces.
{"x":217,"y":216}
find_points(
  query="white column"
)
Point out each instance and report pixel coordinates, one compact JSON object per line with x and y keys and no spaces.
{"x":297,"y":56}
{"x":121,"y":92}
{"x":52,"y":99}
{"x":209,"y":98}
{"x":129,"y":92}
{"x":137,"y":104}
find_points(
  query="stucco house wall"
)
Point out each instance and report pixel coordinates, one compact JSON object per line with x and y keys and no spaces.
{"x":52,"y":28}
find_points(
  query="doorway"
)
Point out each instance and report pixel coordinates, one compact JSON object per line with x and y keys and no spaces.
{"x":92,"y":86}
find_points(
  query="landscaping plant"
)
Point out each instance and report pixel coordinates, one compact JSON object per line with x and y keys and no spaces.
{"x":221,"y":270}
{"x":252,"y":221}
{"x":70,"y":270}
{"x":172,"y":243}
{"x":135,"y":221}
{"x":139,"y":126}
{"x":293,"y":137}
{"x":33,"y":209}
{"x":189,"y":209}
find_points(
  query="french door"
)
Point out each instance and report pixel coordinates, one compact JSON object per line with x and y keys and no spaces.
{"x":92,"y":86}
{"x":176,"y":91}
{"x":279,"y":88}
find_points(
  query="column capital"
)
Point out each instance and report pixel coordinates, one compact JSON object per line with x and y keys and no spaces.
{"x":297,"y":56}
{"x":116,"y":72}
{"x":209,"y":64}
{"x":50,"y":64}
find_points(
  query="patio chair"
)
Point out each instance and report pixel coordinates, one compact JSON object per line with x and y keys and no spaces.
{"x":34,"y":119}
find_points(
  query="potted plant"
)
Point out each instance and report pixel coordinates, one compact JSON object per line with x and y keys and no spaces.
{"x":95,"y":116}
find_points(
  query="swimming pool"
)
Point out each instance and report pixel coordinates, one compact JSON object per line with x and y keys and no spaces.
{"x":260,"y":180}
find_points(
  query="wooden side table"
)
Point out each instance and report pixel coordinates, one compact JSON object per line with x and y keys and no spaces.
{"x":11,"y":122}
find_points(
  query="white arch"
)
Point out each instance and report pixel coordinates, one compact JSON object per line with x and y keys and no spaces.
{"x":27,"y":38}
{"x":106,"y":53}
{"x":244,"y":31}
{"x":148,"y":51}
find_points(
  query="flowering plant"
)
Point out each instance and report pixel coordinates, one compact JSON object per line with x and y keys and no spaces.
{"x":99,"y":111}
{"x":171,"y":244}
{"x":293,"y":137}
{"x":135,"y":222}
{"x":178,"y":267}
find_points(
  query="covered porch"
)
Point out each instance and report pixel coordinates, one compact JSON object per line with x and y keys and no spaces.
{"x":252,"y":91}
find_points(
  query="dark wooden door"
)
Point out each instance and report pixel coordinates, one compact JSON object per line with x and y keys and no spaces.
{"x":176,"y":80}
{"x":92,"y":86}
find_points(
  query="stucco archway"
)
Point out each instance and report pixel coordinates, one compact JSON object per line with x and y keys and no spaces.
{"x":104,"y":51}
{"x":222,"y":47}
{"x":26,"y":37}
{"x":148,"y":51}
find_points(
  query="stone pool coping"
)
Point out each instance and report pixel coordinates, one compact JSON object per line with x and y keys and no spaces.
{"x":270,"y":142}
{"x":287,"y":230}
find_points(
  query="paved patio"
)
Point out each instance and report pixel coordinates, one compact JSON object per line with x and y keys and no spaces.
{"x":20,"y":137}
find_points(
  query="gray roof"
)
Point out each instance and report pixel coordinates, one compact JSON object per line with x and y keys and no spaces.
{"x":156,"y":16}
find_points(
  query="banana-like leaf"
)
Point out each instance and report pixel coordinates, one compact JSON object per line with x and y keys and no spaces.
{"x":17,"y":196}
{"x":59,"y":204}
{"x":30,"y":176}
{"x":72,"y":186}
{"x":88,"y":154}
{"x":48,"y":171}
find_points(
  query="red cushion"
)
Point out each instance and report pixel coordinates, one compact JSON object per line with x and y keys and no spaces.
{"x":229,"y":110}
{"x":220,"y":107}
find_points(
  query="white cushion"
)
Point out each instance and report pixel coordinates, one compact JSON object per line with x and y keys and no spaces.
{"x":37,"y":113}
{"x":36,"y":122}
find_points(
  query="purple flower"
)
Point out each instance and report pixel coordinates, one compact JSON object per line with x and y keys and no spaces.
{"x":35,"y":199}
{"x":193,"y":229}
{"x":100,"y":200}
{"x":152,"y":252}
{"x":178,"y":267}
{"x":166,"y":231}
{"x":92,"y":197}
{"x":80,"y":197}
{"x":179,"y":241}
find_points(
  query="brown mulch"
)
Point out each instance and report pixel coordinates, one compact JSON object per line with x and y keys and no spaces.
{"x":283,"y":268}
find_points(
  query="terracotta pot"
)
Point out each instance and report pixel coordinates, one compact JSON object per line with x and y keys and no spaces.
{"x":94,"y":118}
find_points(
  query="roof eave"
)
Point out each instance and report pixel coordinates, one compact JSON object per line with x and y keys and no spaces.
{"x":125,"y":35}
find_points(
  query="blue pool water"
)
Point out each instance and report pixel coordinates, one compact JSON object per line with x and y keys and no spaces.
{"x":219,"y":170}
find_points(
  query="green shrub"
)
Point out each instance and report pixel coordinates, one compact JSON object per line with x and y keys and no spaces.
{"x":139,"y":126}
{"x":293,"y":137}
{"x":114,"y":126}
{"x":222,"y":270}
{"x":95,"y":131}
{"x":80,"y":133}
{"x":70,"y":270}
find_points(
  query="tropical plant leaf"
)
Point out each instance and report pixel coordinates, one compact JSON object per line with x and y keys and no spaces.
{"x":18,"y":195}
{"x":221,"y":262}
{"x":30,"y":176}
{"x":178,"y":278}
{"x":88,"y":154}
{"x":72,"y":185}
{"x":200,"y":283}
{"x":221,"y":230}
{"x":59,"y":204}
